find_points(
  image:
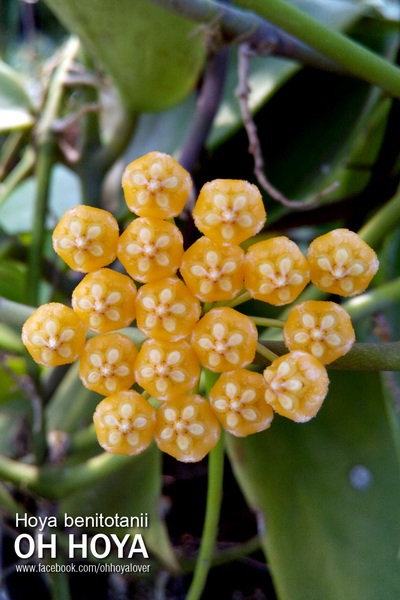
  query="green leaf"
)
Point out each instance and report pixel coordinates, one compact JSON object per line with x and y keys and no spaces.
{"x":12,"y":279}
{"x":15,"y":105}
{"x":327,"y":495}
{"x":387,"y":326}
{"x":17,"y":210}
{"x":132,"y":490}
{"x":153,"y":56}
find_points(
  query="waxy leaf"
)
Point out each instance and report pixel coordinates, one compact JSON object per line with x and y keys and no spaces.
{"x":153,"y":56}
{"x":327,"y":495}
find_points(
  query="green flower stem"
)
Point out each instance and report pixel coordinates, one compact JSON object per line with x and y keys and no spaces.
{"x":207,"y":306}
{"x":265,"y":322}
{"x":47,"y":147}
{"x":355,"y":58}
{"x":239,"y":300}
{"x":382,"y":223}
{"x":362,"y":357}
{"x":213,"y":506}
{"x":266,"y":352}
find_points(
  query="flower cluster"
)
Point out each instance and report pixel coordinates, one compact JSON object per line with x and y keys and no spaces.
{"x":152,"y":391}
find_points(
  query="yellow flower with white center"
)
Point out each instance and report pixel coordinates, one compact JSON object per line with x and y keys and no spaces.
{"x":105,"y":300}
{"x":276,"y":271}
{"x":237,"y":399}
{"x":323,"y":329}
{"x":341,"y":263}
{"x":229,"y":211}
{"x":54,"y":335}
{"x":166,"y":309}
{"x":150,"y":249}
{"x":155,"y":185}
{"x":167,"y":370}
{"x":224,"y":340}
{"x":186,"y":428}
{"x":297,"y":384}
{"x":106,"y":363}
{"x":86,"y":238}
{"x":213,"y":272}
{"x":124,"y":423}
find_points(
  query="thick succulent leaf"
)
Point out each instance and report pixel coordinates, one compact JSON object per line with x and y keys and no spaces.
{"x":387,"y":327}
{"x":153,"y":56}
{"x":15,"y":105}
{"x":327,"y":496}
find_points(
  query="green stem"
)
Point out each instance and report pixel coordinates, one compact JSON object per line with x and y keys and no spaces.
{"x":358,"y":60}
{"x":213,"y":506}
{"x":55,"y":483}
{"x":239,"y":300}
{"x":207,"y":306}
{"x":18,"y":174}
{"x":266,"y":352}
{"x":386,"y":219}
{"x":17,"y":472}
{"x":373,"y":301}
{"x":43,"y":173}
{"x":266,"y":322}
{"x":362,"y":356}
{"x":47,"y":147}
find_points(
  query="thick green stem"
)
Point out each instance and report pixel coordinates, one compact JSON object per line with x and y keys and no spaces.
{"x":47,"y":147}
{"x":54,"y":483}
{"x":57,"y":483}
{"x":362,"y":356}
{"x":266,"y":322}
{"x":355,"y":58}
{"x":43,"y":173}
{"x":17,"y":472}
{"x":214,"y":497}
